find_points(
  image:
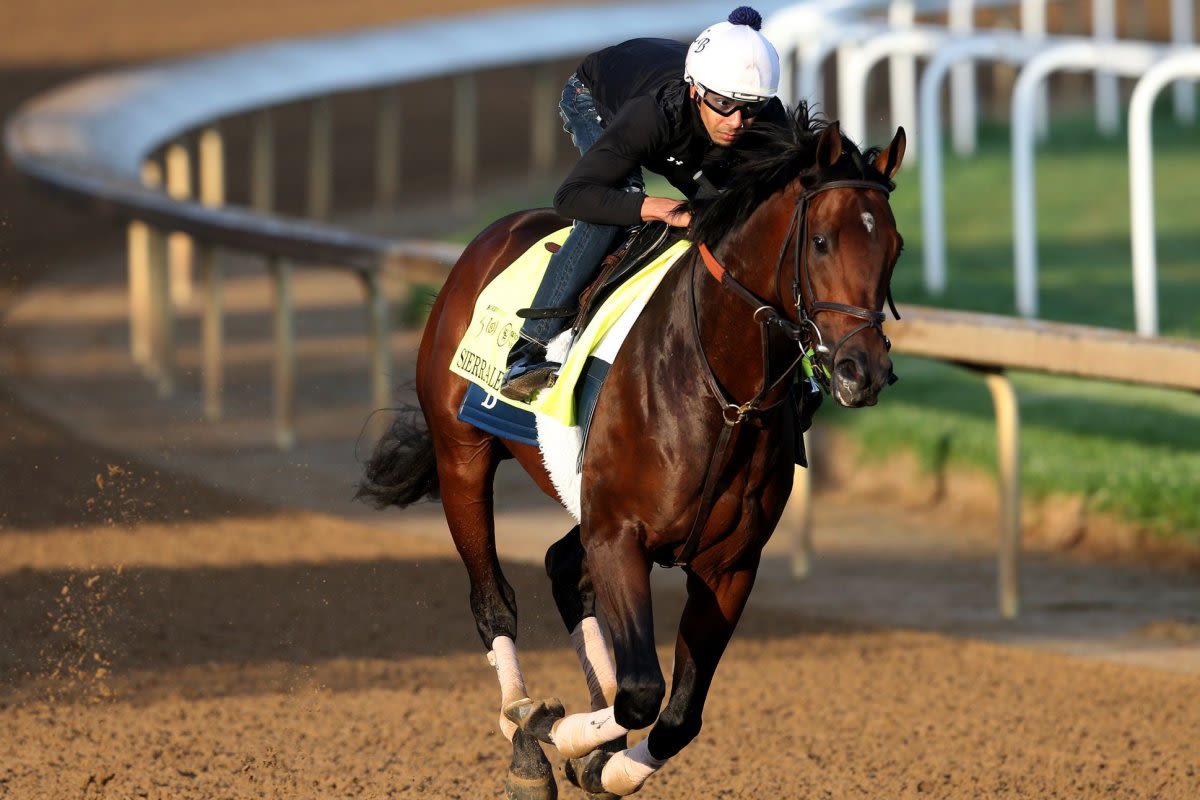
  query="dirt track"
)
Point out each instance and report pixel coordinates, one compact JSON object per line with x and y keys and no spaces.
{"x":296,"y":655}
{"x":160,"y":638}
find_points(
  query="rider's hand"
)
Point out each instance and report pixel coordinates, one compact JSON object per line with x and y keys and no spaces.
{"x":663,"y":208}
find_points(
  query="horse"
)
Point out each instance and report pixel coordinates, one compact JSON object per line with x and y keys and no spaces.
{"x":690,"y":455}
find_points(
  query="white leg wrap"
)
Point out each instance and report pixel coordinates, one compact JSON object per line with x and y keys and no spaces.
{"x":503,"y":657}
{"x":626,"y":771}
{"x":579,"y":734}
{"x":592,"y":649}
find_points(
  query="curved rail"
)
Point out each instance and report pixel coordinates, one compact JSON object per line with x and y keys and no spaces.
{"x":94,"y":139}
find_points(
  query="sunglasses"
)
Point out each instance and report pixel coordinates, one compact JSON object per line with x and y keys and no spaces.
{"x":727,"y":105}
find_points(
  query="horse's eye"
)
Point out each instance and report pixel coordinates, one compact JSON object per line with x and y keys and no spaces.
{"x":821,"y":245}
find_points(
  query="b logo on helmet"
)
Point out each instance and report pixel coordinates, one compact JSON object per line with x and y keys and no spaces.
{"x":699,"y":44}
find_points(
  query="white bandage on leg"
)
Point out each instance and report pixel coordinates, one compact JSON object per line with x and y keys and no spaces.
{"x":592,"y":649}
{"x":579,"y":734}
{"x":503,"y":657}
{"x":626,"y":771}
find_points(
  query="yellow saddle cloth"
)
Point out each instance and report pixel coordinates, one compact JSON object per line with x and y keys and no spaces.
{"x":483,"y":352}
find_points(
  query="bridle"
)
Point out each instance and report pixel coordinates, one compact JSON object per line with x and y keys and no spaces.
{"x":805,"y":332}
{"x":802,"y":276}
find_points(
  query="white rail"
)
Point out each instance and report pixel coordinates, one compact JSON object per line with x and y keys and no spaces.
{"x":1125,"y":58}
{"x":1003,"y":46}
{"x":1141,"y":180}
{"x":857,"y":65}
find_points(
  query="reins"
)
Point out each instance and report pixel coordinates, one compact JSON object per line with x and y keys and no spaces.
{"x":768,"y":316}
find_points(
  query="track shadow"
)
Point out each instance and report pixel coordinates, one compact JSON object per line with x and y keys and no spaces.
{"x":163,"y":626}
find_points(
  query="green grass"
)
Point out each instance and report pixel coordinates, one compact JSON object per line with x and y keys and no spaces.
{"x":1134,"y":452}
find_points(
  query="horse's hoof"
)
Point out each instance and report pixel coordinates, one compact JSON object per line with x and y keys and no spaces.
{"x":587,"y":774}
{"x":530,"y":776}
{"x":518,"y":788}
{"x":535,"y":717}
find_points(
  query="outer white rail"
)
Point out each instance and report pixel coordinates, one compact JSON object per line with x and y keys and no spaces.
{"x":801,"y":33}
{"x":1005,"y":46}
{"x":960,"y":19}
{"x":1126,"y":58}
{"x":1183,"y":34}
{"x":1141,"y":180}
{"x":1104,"y":25}
{"x":857,"y":65}
{"x":812,"y":55}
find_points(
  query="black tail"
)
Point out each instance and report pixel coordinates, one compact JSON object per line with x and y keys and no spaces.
{"x":403,"y":468}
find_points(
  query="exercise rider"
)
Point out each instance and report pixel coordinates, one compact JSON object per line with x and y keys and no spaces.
{"x":653,"y":104}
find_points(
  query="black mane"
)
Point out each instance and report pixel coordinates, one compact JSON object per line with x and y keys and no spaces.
{"x":770,"y":158}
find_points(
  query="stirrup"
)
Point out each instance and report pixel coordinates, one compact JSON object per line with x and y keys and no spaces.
{"x":525,"y":380}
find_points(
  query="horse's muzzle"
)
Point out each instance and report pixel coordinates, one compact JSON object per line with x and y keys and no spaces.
{"x":858,"y":379}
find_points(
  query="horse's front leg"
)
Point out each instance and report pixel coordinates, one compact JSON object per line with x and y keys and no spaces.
{"x":577,"y":735}
{"x":714,"y":605}
{"x":617,"y":706}
{"x":575,"y":598}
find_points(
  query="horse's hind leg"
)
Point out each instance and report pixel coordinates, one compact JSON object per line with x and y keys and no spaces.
{"x":466,"y":468}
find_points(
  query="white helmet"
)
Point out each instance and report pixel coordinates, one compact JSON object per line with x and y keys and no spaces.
{"x":732,"y":58}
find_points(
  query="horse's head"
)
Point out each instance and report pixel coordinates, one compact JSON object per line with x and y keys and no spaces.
{"x":806,"y":231}
{"x":846,"y":247}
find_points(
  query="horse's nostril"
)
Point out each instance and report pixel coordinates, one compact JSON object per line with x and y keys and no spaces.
{"x":849,"y":370}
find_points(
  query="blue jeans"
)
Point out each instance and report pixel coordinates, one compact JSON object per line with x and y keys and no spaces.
{"x":574,"y":266}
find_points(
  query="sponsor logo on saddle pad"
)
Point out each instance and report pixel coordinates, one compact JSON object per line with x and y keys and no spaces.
{"x":483,"y":351}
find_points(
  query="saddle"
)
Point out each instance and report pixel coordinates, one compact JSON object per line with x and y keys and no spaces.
{"x":642,"y":244}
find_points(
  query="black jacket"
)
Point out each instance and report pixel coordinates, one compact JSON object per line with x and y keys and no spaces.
{"x":650,"y":123}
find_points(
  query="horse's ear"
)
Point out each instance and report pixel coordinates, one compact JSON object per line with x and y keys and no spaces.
{"x":829,"y":145}
{"x":888,"y":160}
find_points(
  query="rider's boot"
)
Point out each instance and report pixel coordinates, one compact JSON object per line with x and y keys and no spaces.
{"x":569,"y":271}
{"x":528,"y":371}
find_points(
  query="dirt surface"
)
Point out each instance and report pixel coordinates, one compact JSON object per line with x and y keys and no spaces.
{"x":187,"y":613}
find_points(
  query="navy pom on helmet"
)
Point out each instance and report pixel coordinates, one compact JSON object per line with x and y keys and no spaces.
{"x":745,"y":15}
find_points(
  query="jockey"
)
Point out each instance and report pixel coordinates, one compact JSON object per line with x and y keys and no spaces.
{"x":656,"y":104}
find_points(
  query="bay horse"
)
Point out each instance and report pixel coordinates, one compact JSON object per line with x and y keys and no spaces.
{"x":689,"y":459}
